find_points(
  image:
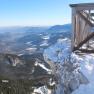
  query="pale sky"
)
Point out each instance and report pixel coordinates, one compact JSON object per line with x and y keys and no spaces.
{"x":36,"y":12}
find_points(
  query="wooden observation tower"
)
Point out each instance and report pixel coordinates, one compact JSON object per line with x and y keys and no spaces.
{"x":83,"y":27}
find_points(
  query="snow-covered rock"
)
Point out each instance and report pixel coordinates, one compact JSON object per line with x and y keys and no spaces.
{"x":42,"y":90}
{"x":87,"y":68}
{"x":59,"y":51}
{"x":74,"y":72}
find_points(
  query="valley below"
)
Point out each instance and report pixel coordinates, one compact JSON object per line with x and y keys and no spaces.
{"x":39,"y":60}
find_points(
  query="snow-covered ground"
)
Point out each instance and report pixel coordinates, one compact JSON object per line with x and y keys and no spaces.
{"x":43,"y":67}
{"x":82,"y":81}
{"x":44,"y":43}
{"x":31,"y":49}
{"x":59,"y":51}
{"x":47,"y":37}
{"x":87,"y":68}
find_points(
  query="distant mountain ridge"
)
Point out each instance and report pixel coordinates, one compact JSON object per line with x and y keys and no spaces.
{"x":25,"y":39}
{"x":35,"y":29}
{"x":57,"y":28}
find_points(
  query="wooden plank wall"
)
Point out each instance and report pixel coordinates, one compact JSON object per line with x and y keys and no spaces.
{"x":81,"y":28}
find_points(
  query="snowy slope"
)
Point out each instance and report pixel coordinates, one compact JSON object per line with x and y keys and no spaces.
{"x":87,"y":68}
{"x":60,"y":51}
{"x":81,"y":78}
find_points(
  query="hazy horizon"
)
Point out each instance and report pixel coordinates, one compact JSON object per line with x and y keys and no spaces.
{"x":36,"y":12}
{"x":34,"y":26}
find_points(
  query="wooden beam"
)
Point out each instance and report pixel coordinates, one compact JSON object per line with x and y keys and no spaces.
{"x":90,"y":15}
{"x":85,"y":18}
{"x":84,"y":41}
{"x":86,"y":51}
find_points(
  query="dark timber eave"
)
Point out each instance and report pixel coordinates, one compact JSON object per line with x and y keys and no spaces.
{"x":82,"y":5}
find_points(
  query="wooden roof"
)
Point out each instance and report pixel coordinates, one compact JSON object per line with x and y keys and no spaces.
{"x":82,"y":6}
